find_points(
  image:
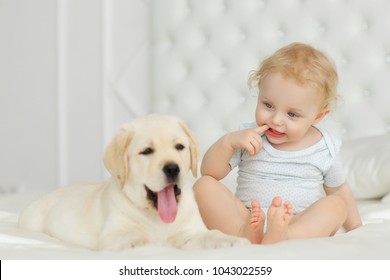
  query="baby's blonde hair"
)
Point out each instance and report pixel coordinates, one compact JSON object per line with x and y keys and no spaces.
{"x":304,"y":65}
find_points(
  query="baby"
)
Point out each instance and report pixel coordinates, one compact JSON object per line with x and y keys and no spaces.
{"x":281,"y":156}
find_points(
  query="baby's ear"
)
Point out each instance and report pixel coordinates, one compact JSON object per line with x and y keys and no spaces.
{"x":321,"y":115}
{"x":115,"y":155}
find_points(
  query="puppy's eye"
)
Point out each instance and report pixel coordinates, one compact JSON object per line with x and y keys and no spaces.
{"x":179,"y":147}
{"x":147,"y":151}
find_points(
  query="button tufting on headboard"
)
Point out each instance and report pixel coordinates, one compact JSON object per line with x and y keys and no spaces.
{"x":204,"y":50}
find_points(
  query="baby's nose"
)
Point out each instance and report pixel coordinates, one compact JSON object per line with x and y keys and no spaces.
{"x":277,"y":119}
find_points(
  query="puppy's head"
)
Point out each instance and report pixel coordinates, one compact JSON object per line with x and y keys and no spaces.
{"x":151,"y":158}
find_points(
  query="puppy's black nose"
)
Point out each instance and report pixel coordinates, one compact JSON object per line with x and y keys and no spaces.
{"x":171,"y":170}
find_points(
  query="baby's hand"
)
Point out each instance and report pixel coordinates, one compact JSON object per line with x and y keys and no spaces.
{"x":248,"y":139}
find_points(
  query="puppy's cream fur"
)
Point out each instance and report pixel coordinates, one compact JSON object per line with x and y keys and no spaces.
{"x":119,"y":213}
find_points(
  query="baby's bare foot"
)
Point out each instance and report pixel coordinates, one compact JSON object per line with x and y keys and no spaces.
{"x":256,"y":220}
{"x":278,"y":218}
{"x":254,"y":227}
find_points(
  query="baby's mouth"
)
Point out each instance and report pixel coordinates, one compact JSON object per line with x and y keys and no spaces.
{"x":274,"y":133}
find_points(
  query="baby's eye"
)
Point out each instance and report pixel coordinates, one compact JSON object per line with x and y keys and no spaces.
{"x":292,"y":114}
{"x":268,"y":105}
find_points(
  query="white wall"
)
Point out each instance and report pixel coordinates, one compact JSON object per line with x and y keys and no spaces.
{"x":70,"y":72}
{"x":27,"y":83}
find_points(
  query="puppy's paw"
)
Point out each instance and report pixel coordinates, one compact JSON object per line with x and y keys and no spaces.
{"x":121,"y":242}
{"x":217,"y":239}
{"x":232,"y":241}
{"x":214,"y":239}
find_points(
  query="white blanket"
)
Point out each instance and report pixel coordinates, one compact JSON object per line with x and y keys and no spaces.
{"x":367,"y":242}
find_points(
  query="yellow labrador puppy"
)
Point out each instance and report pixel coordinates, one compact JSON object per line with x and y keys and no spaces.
{"x":147,"y":201}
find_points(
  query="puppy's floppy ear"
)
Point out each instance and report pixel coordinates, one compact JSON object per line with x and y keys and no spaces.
{"x":193,"y":148}
{"x":115,"y":155}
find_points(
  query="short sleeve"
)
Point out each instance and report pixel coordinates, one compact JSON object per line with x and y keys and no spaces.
{"x":235,"y":159}
{"x":336,"y":175}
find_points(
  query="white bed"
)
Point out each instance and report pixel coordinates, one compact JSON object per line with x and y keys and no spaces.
{"x":202,"y":52}
{"x":367,"y":242}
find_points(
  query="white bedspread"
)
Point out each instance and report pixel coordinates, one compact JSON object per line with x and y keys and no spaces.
{"x":367,"y":242}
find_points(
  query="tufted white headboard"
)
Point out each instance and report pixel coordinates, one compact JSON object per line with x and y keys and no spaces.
{"x":203,"y":51}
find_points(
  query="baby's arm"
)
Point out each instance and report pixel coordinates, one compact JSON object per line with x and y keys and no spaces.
{"x":216,"y":160}
{"x":353,"y":218}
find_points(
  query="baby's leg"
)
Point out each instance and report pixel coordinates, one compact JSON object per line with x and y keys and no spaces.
{"x":221,"y":210}
{"x":278,"y":219}
{"x":322,"y":218}
{"x":218,"y":206}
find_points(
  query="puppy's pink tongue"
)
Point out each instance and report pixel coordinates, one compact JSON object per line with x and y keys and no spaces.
{"x":166,"y":204}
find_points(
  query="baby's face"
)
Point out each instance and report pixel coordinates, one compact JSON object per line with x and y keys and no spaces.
{"x":288,"y":109}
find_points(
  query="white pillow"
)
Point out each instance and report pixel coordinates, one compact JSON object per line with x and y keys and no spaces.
{"x":367,"y":163}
